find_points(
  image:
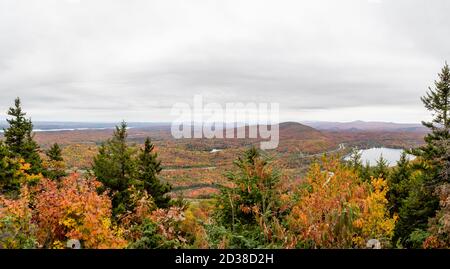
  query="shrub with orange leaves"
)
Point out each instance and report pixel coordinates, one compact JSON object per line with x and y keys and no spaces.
{"x":72,"y":209}
{"x":16,"y":228}
{"x":336,"y":209}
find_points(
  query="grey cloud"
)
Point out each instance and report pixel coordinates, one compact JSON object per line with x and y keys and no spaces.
{"x":113,"y":59}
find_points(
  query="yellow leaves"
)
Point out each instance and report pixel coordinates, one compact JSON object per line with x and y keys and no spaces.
{"x":374,"y":221}
{"x":106,"y":223}
{"x":24,"y":166}
{"x":74,"y":210}
{"x":68,"y":223}
{"x":58,"y":245}
{"x":337,"y":209}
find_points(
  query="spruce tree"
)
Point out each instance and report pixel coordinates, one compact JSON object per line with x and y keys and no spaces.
{"x":8,"y":170}
{"x":55,"y":166}
{"x":381,"y":169}
{"x":355,"y":161}
{"x":55,"y":153}
{"x":366,"y":171}
{"x":148,"y":168}
{"x":19,"y":138}
{"x":115,"y":167}
{"x":255,"y":186}
{"x":399,"y":183}
{"x":421,"y":203}
{"x":437,"y":101}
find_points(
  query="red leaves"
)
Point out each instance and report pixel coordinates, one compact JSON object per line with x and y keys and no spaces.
{"x":74,"y":210}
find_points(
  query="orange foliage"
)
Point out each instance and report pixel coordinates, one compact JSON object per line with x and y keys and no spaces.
{"x":74,"y":210}
{"x":17,"y":230}
{"x":337,"y":210}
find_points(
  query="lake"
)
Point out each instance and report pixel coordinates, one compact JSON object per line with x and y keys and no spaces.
{"x":372,"y":155}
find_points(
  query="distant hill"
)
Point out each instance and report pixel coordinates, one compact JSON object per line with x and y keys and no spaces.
{"x":286,"y":128}
{"x":296,"y":137}
{"x":366,"y":126}
{"x":295,"y":130}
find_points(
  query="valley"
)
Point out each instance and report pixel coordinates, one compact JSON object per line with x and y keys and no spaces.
{"x":196,"y":167}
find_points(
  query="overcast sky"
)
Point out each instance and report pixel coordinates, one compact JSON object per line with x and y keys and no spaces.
{"x":79,"y":60}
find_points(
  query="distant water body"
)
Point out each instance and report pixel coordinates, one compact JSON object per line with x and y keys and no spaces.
{"x":64,"y":129}
{"x":70,"y":129}
{"x":372,"y":155}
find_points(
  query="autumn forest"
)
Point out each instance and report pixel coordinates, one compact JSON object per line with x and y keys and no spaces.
{"x":138,"y":188}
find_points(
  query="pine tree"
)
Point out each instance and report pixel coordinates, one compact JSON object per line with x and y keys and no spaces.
{"x":415,"y":212}
{"x":398,"y":183}
{"x":381,"y":170}
{"x":55,"y":165}
{"x":249,"y":208}
{"x":115,"y":167}
{"x":421,"y":202}
{"x":8,"y":169}
{"x":437,"y":101}
{"x":55,"y":153}
{"x":355,"y":161}
{"x":19,"y":138}
{"x":149,"y":167}
{"x":366,"y":171}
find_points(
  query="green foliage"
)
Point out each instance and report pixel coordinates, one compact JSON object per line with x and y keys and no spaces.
{"x":120,"y":167}
{"x":8,"y":169}
{"x":381,"y":170}
{"x":115,"y":167}
{"x":16,"y":228}
{"x":148,"y":169}
{"x":437,"y":101}
{"x":415,"y":198}
{"x":16,"y":233}
{"x":354,"y":160}
{"x":364,"y":171}
{"x":241,"y":237}
{"x":55,"y":165}
{"x":414,"y":210}
{"x":19,"y":138}
{"x":253,"y":201}
{"x":417,"y":238}
{"x":55,"y":153}
{"x":150,"y":238}
{"x":399,"y":183}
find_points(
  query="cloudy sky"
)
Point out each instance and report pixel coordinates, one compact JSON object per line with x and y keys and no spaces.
{"x":105,"y":60}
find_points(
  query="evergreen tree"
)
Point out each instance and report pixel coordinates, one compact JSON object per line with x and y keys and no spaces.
{"x":399,"y":183}
{"x":115,"y":167}
{"x":249,"y":209}
{"x":421,"y":202}
{"x":366,"y":171}
{"x":55,"y":153}
{"x":355,"y":161}
{"x":55,"y":166}
{"x":381,"y":169}
{"x":149,"y":167}
{"x":8,"y":169}
{"x":437,"y":101}
{"x":414,"y":213}
{"x":19,"y":138}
